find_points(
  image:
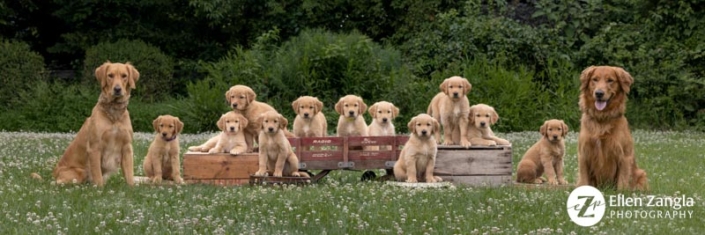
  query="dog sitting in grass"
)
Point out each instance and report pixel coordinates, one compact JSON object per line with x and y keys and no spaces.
{"x":162,"y":160}
{"x":546,"y":156}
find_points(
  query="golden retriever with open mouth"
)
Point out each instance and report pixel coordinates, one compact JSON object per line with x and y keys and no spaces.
{"x":275,"y":153}
{"x":451,"y":107}
{"x":417,"y":159}
{"x":480,"y":118}
{"x":351,"y":123}
{"x":231,"y":138}
{"x":382,"y":114}
{"x":545,"y":156}
{"x":309,"y":121}
{"x":162,"y":160}
{"x":104,"y":142}
{"x":605,"y":144}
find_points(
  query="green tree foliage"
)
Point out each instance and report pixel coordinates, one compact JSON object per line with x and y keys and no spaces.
{"x":21,"y":69}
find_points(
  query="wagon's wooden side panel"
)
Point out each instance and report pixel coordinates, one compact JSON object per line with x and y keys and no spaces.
{"x":476,"y":166}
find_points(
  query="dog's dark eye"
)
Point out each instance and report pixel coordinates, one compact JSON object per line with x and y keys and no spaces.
{"x":161,"y":125}
{"x":110,"y":75}
{"x":311,"y":107}
{"x":242,"y":97}
{"x":610,"y":80}
{"x":460,"y":86}
{"x":389,"y":111}
{"x":594,"y":79}
{"x":228,"y":121}
{"x":428,"y":124}
{"x":346,"y":105}
{"x":124,"y":75}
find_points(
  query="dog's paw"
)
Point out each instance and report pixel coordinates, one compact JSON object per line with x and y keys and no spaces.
{"x":562,"y":181}
{"x":448,"y":142}
{"x":438,"y":179}
{"x":491,"y":143}
{"x":213,"y":150}
{"x":410,"y":180}
{"x":295,"y":174}
{"x":431,"y":179}
{"x":235,"y":152}
{"x":261,"y":173}
{"x":157,"y":180}
{"x":178,"y":180}
{"x":552,"y":182}
{"x":194,"y":148}
{"x":465,"y":143}
{"x":538,"y":181}
{"x":278,"y":174}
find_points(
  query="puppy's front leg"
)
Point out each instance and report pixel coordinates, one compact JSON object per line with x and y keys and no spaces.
{"x":218,"y":148}
{"x":549,"y":170}
{"x":559,"y":172}
{"x":128,"y":164}
{"x":411,"y":170}
{"x":175,"y":166}
{"x":430,"y":166}
{"x":157,"y":170}
{"x":262,"y":171}
{"x":279,"y":165}
{"x":463,"y":120}
{"x":238,"y":149}
{"x":250,"y":141}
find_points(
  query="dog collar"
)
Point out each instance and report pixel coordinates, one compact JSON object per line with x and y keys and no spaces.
{"x":170,"y":139}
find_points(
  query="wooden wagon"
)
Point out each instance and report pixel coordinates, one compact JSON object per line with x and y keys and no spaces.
{"x":476,"y":165}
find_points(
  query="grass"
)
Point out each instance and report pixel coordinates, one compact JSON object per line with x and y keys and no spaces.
{"x":339,"y":205}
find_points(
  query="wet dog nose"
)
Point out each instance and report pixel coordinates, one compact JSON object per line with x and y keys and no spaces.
{"x":424,"y":132}
{"x":164,"y":134}
{"x":271,"y":129}
{"x":384,"y":119}
{"x":117,"y":89}
{"x":455,"y":94}
{"x":352,"y":113}
{"x":305,"y":114}
{"x":555,"y":137}
{"x":599,"y":94}
{"x":232,"y":128}
{"x":234,"y":105}
{"x":482,"y":123}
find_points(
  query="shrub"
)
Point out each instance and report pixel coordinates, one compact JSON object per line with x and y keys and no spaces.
{"x":317,"y":63}
{"x":21,"y":69}
{"x":156,"y":68}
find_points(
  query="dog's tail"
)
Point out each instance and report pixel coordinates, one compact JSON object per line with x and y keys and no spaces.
{"x":36,"y":176}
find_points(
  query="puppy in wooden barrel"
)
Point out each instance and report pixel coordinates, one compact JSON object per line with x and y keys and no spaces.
{"x":418,"y":157}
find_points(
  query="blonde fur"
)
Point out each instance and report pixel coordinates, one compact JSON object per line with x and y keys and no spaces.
{"x":480,"y":119}
{"x":545,"y":156}
{"x":351,"y":123}
{"x":451,"y":107}
{"x":231,"y":138}
{"x":309,"y":121}
{"x":382,"y":114}
{"x":275,"y":153}
{"x":417,"y":159}
{"x":162,"y":160}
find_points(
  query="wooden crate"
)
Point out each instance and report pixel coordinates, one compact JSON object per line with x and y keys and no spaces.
{"x":475,"y":166}
{"x":219,"y":169}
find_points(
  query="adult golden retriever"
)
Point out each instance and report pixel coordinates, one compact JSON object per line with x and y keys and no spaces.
{"x":162,"y":160}
{"x":451,"y":107}
{"x":309,"y":121}
{"x":351,"y":123}
{"x":231,"y":138}
{"x":275,"y":153}
{"x":382,"y":113}
{"x":417,"y":159}
{"x":480,"y":118}
{"x":104,"y":142}
{"x":545,"y":156}
{"x":605,"y":144}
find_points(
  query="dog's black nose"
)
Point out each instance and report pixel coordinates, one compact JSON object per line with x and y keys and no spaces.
{"x":384,"y":119}
{"x":599,"y":94}
{"x":117,"y":89}
{"x":555,"y":137}
{"x":352,"y":113}
{"x":455,"y":94}
{"x":424,"y":132}
{"x":234,"y":105}
{"x":164,"y":134}
{"x":482,"y":123}
{"x":232,"y":128}
{"x":305,"y":114}
{"x":271,"y":129}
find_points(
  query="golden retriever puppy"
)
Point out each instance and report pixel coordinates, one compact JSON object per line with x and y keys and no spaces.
{"x":231,"y":138}
{"x":480,"y":118}
{"x":451,"y":107}
{"x":309,"y":121}
{"x":275,"y":153}
{"x":417,"y":159}
{"x":162,"y":160}
{"x":546,"y":156}
{"x":382,"y":114}
{"x":605,"y":144}
{"x":351,"y":123}
{"x":104,"y":142}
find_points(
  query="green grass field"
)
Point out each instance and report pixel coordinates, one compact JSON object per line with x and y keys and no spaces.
{"x":341,"y":204}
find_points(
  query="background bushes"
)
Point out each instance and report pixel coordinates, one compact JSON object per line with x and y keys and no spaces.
{"x":21,"y":69}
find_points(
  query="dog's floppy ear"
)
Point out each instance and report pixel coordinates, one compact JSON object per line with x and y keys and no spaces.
{"x":625,"y":79}
{"x":318,"y":104}
{"x":543,"y":128}
{"x":373,"y":110}
{"x":494,"y":117}
{"x":412,"y":126}
{"x":339,"y":107}
{"x":436,"y":126}
{"x":155,"y":123}
{"x":221,"y":122}
{"x":466,"y":86}
{"x":565,"y":128}
{"x":243,"y":122}
{"x":100,"y":74}
{"x":134,"y":75}
{"x":585,"y":78}
{"x":295,"y":105}
{"x":471,"y":115}
{"x":395,"y":112}
{"x":250,"y":95}
{"x":283,"y":123}
{"x":363,"y":107}
{"x":179,"y":125}
{"x":444,"y":86}
{"x":227,"y":95}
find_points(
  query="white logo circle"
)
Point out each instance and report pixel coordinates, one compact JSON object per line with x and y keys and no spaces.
{"x":586,"y":206}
